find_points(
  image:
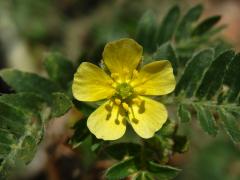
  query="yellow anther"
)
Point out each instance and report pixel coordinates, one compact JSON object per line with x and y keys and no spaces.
{"x":115,"y":76}
{"x":117,"y":101}
{"x":114,"y":84}
{"x":125,"y":106}
{"x":137,"y":101}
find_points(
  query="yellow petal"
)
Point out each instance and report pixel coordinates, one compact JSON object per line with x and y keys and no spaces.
{"x":107,"y":122}
{"x":122,"y":56}
{"x":155,"y":78}
{"x":147,"y":118}
{"x":91,"y":83}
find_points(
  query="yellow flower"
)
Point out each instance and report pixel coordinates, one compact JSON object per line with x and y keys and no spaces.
{"x":125,"y":88}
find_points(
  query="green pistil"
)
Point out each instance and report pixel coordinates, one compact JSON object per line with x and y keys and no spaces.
{"x":124,"y":90}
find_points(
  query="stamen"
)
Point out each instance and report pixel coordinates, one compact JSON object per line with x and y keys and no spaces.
{"x":137,"y":101}
{"x":134,"y":119}
{"x":117,"y":101}
{"x":109,"y":106}
{"x":117,"y":118}
{"x":114,"y":84}
{"x":125,"y":106}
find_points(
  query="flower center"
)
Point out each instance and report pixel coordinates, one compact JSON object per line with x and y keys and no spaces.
{"x":124,"y":90}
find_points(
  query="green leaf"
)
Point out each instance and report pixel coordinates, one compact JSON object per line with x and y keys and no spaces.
{"x":205,"y":25}
{"x":122,"y":169}
{"x":201,"y":85}
{"x":26,"y":102}
{"x":207,"y":79}
{"x":61,"y":104}
{"x":80,"y":133}
{"x":221,"y":46}
{"x":230,"y":124}
{"x":59,"y":69}
{"x":231,"y":79}
{"x":166,"y":52}
{"x":194,"y":72}
{"x":121,"y":150}
{"x":88,"y":156}
{"x":144,"y":175}
{"x":146,"y":31}
{"x":206,"y":119}
{"x":213,"y":78}
{"x":29,"y":82}
{"x":183,"y":113}
{"x":185,"y":26}
{"x":163,"y":172}
{"x":19,"y":135}
{"x":168,"y":25}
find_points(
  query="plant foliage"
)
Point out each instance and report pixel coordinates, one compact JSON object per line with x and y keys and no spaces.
{"x":24,"y":115}
{"x":207,"y":73}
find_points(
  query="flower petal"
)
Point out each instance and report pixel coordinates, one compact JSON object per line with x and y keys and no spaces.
{"x":148,"y":117}
{"x":155,"y":78}
{"x":122,"y":55}
{"x":107,"y":122}
{"x":91,"y":83}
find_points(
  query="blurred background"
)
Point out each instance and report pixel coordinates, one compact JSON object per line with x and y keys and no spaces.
{"x":79,"y":29}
